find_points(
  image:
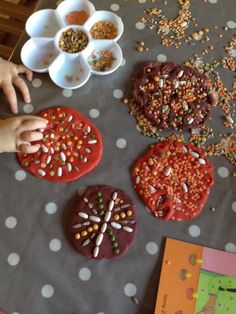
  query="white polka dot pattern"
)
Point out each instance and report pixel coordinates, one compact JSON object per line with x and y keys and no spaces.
{"x":13,"y":259}
{"x":194,"y":231}
{"x":47,"y":291}
{"x":234,"y":207}
{"x":10,"y":222}
{"x":55,"y":245}
{"x":115,"y":7}
{"x":36,"y":83}
{"x":231,"y":24}
{"x":51,"y":208}
{"x":130,"y":290}
{"x":28,"y":108}
{"x":161,"y":58}
{"x":94,"y":113}
{"x":121,"y":143}
{"x":20,"y":175}
{"x":118,"y":94}
{"x":85,"y":274}
{"x":230,"y":247}
{"x":123,"y":63}
{"x":140,"y":25}
{"x":152,"y":248}
{"x":223,"y":172}
{"x":67,"y":93}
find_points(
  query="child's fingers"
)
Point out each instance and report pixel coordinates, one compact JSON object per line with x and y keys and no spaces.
{"x":10,"y":93}
{"x":20,"y":84}
{"x":34,"y":124}
{"x":28,"y":149}
{"x":30,"y":117}
{"x":22,"y":69}
{"x":31,"y":136}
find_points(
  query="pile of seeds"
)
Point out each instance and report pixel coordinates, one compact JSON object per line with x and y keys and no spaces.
{"x":226,"y":147}
{"x":104,"y":30}
{"x":225,"y":96}
{"x":73,"y":40}
{"x":76,"y":17}
{"x":101,"y":60}
{"x":229,"y":62}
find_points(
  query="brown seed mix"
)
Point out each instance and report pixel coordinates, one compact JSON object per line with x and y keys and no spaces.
{"x":73,"y":40}
{"x":101,"y":60}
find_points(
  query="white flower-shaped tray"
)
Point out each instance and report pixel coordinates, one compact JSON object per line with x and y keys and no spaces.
{"x":41,"y":53}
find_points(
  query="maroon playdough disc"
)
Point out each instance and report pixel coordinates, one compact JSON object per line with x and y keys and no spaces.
{"x":172,"y":96}
{"x":103,"y":224}
{"x":71,"y":147}
{"x":173,"y":179}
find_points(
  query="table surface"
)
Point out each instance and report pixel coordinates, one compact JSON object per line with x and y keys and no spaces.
{"x":40,"y":273}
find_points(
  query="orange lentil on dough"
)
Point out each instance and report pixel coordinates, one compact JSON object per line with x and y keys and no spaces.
{"x":77,"y":17}
{"x":104,"y":30}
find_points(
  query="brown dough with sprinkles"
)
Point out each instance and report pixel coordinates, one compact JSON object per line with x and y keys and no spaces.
{"x":71,"y":147}
{"x":172,"y":96}
{"x":103,"y":224}
{"x":173,"y":179}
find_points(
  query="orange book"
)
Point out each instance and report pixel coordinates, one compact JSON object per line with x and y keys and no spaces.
{"x":195,"y":279}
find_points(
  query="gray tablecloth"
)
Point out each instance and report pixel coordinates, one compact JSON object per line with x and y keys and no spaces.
{"x":40,"y":273}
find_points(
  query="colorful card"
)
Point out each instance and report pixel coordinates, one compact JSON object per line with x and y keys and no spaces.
{"x":196,"y":280}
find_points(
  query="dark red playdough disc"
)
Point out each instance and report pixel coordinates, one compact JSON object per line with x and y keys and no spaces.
{"x":103,"y":224}
{"x":173,"y":179}
{"x":173,"y":97}
{"x":71,"y":147}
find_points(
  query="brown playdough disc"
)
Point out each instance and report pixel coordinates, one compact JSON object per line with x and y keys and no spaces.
{"x":173,"y":179}
{"x":71,"y":147}
{"x":172,"y":96}
{"x":103,"y":224}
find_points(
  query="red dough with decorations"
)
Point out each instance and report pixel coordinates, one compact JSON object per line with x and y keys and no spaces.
{"x":71,"y":147}
{"x":173,"y":179}
{"x":103,"y":224}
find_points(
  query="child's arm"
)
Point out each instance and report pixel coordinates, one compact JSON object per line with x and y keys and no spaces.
{"x":9,"y":78}
{"x":16,"y":134}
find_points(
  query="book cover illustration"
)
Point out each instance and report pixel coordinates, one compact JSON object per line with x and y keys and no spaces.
{"x":196,"y":280}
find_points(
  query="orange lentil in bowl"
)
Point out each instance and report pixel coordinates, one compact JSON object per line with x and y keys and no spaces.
{"x":104,"y":30}
{"x":76,"y":17}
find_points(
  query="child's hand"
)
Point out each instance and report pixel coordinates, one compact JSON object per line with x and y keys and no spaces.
{"x":16,"y":134}
{"x":9,"y":77}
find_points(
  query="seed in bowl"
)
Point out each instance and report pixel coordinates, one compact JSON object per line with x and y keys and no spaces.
{"x":101,"y":60}
{"x":73,"y":40}
{"x":71,"y":78}
{"x":104,"y":30}
{"x":76,"y":17}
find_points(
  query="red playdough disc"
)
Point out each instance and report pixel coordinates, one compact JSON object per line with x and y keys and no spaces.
{"x":71,"y":147}
{"x":173,"y":180}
